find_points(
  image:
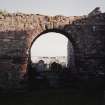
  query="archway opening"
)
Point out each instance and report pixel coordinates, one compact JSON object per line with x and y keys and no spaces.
{"x":50,"y":47}
{"x":51,"y":54}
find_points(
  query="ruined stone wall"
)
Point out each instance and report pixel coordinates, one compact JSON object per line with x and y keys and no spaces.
{"x":90,"y":42}
{"x":17,"y":32}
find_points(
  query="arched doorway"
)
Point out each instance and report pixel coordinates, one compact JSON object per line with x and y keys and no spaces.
{"x":50,"y":47}
{"x":67,"y":50}
{"x":71,"y":45}
{"x":41,"y":57}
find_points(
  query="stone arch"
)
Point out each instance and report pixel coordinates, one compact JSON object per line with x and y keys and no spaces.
{"x":68,"y":36}
{"x":63,"y":32}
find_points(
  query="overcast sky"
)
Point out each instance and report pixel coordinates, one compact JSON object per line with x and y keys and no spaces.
{"x":50,"y":44}
{"x":52,"y":7}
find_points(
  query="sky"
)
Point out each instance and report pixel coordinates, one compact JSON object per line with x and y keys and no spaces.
{"x":44,"y":46}
{"x":52,"y":7}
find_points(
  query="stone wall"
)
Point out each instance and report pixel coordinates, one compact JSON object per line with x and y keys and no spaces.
{"x":18,"y":31}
